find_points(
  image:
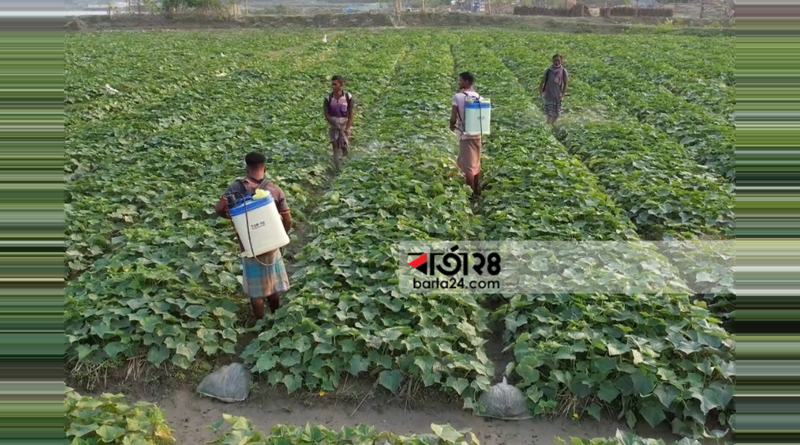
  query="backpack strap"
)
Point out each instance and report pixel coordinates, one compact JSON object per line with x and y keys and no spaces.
{"x":346,"y":95}
{"x":263,"y":185}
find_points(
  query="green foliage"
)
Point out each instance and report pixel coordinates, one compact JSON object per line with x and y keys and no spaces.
{"x":153,"y":273}
{"x":242,"y":431}
{"x":638,"y":357}
{"x":623,"y":438}
{"x":347,"y":315}
{"x":110,"y":420}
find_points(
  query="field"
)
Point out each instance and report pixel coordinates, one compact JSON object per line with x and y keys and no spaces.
{"x":645,"y":152}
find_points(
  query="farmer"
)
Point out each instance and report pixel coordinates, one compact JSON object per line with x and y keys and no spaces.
{"x":338,"y":108}
{"x":553,"y":87}
{"x":264,"y":276}
{"x":469,"y":152}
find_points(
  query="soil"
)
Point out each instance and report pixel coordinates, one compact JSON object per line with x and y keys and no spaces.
{"x":597,"y":25}
{"x":189,"y":414}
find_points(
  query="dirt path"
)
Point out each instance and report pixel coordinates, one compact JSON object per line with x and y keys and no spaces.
{"x":189,"y":415}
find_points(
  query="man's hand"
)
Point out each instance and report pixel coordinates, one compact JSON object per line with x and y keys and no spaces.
{"x":452,"y":127}
{"x":348,"y":131}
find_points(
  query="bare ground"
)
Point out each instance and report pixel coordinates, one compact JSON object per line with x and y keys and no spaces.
{"x":189,"y":414}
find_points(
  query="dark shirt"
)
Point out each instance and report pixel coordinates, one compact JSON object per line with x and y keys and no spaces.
{"x":552,"y":90}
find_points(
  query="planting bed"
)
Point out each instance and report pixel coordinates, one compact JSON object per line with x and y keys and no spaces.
{"x":644,"y":154}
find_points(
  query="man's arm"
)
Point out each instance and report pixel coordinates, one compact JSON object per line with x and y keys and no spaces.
{"x":542,"y":82}
{"x":350,"y":113}
{"x":325,"y":110}
{"x":283,"y":208}
{"x":566,"y":83}
{"x":453,"y":117}
{"x":221,"y":208}
{"x":286,"y":219}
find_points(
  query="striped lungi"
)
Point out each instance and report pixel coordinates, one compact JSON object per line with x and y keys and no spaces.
{"x":553,"y":109}
{"x":263,"y":280}
{"x":336,"y":132}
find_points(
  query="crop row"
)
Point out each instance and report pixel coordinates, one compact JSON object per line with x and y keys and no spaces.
{"x":709,"y":58}
{"x":130,"y":169}
{"x":533,"y":188}
{"x":688,"y":82}
{"x":346,"y":315}
{"x":708,"y":136}
{"x":147,"y":68}
{"x":170,"y":269}
{"x":655,"y":180}
{"x":634,"y":356}
{"x":622,"y":154}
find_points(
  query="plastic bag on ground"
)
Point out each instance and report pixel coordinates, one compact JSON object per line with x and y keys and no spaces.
{"x":503,"y":401}
{"x":229,"y":384}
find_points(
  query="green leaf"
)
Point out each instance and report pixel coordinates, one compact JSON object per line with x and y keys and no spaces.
{"x":78,"y":430}
{"x":113,"y":349}
{"x":458,"y":384}
{"x":595,"y":411}
{"x":714,"y":398}
{"x":195,"y":311}
{"x":607,"y":392}
{"x":391,"y":379}
{"x":358,"y":365}
{"x":666,"y":394}
{"x":347,"y":346}
{"x":446,"y":433}
{"x":109,"y":434}
{"x":652,"y":413}
{"x":643,"y":385}
{"x":265,"y":363}
{"x":292,"y":382}
{"x":526,"y":368}
{"x":134,"y":439}
{"x":157,"y":354}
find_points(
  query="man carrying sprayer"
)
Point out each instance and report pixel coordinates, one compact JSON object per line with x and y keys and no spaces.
{"x":338,"y":109}
{"x":265,"y":276}
{"x":469,"y":146}
{"x":553,"y":88}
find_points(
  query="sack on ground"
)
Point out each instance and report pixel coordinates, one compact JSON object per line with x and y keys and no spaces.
{"x":229,"y":384}
{"x":503,"y":401}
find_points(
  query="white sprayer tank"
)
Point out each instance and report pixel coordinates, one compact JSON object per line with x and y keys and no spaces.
{"x":258,"y":222}
{"x":477,"y":116}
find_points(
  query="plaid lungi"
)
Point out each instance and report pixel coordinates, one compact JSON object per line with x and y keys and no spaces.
{"x":336,"y":132}
{"x":553,"y":109}
{"x":262,"y":281}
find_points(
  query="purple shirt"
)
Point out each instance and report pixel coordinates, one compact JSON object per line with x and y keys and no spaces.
{"x":339,"y":106}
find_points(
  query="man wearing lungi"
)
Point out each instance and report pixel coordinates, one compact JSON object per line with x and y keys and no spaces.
{"x":265,"y":276}
{"x":553,"y":87}
{"x":469,"y":150}
{"x":338,"y":109}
